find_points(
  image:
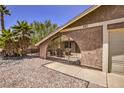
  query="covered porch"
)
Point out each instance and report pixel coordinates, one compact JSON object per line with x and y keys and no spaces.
{"x":64,"y":49}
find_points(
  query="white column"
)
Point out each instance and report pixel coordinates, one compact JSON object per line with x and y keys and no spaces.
{"x":105,"y":55}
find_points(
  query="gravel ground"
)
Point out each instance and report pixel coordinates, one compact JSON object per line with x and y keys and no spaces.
{"x":30,"y":72}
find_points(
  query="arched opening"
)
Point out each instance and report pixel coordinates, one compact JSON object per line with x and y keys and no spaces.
{"x":64,"y":49}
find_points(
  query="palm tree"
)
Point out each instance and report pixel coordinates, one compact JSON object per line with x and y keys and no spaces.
{"x":23,"y":33}
{"x":22,"y":28}
{"x":49,"y":27}
{"x":42,"y":30}
{"x":38,"y":33}
{"x":3,"y":11}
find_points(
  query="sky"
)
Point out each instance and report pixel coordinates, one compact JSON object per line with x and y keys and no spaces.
{"x":56,"y":13}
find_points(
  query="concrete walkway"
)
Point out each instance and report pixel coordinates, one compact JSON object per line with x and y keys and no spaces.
{"x":93,"y":76}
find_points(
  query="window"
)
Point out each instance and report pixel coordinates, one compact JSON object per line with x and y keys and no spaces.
{"x":67,"y":44}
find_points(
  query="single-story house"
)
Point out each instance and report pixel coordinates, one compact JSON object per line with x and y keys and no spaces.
{"x":99,"y":33}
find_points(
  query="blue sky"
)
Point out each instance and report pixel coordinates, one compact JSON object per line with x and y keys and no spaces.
{"x":56,"y":13}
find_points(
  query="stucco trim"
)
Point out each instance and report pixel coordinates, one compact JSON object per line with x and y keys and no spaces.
{"x":105,"y":52}
{"x":119,"y":20}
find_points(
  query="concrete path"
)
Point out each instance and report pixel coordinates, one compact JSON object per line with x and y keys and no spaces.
{"x":93,"y":76}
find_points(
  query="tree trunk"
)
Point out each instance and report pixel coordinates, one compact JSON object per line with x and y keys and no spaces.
{"x":2,"y":21}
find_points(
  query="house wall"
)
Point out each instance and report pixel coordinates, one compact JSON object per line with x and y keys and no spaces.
{"x":116,"y":26}
{"x":90,"y":40}
{"x":93,"y":58}
{"x":43,"y":49}
{"x":90,"y":44}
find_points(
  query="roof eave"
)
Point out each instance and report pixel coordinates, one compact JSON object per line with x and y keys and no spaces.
{"x":70,"y":22}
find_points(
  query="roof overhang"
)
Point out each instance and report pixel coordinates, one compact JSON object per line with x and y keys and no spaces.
{"x":69,"y":23}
